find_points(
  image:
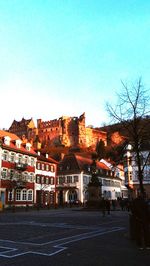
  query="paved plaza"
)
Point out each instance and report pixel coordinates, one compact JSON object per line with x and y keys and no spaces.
{"x":68,"y":237}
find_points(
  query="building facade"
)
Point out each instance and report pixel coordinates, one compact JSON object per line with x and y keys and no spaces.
{"x":26,"y":177}
{"x":45,"y":181}
{"x":24,"y":128}
{"x":17,"y":171}
{"x":74,"y":174}
{"x":118,"y":171}
{"x":66,"y":131}
{"x":131,"y":171}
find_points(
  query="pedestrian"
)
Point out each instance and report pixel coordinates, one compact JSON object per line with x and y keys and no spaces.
{"x":103,"y":206}
{"x":141,"y":215}
{"x":114,"y":205}
{"x":108,"y":206}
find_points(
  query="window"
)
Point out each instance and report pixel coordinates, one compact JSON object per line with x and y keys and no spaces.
{"x":31,"y":177}
{"x":11,"y":173}
{"x":19,"y":177}
{"x":12,"y":157}
{"x":5,"y":156}
{"x":69,"y":179}
{"x":42,"y":180}
{"x":38,"y":179}
{"x":7,"y":140}
{"x":43,"y":167}
{"x":52,"y":168}
{"x":47,"y":180}
{"x":76,"y":179}
{"x":18,"y":194}
{"x":61,"y":180}
{"x":47,"y":167}
{"x":117,"y":194}
{"x":25,"y":176}
{"x":52,"y":181}
{"x":136,"y":174}
{"x":26,"y":159}
{"x":28,"y":146}
{"x":4,"y":173}
{"x":19,"y":158}
{"x":24,"y":194}
{"x":30,"y":195}
{"x":104,"y":182}
{"x":10,"y":195}
{"x":32,"y":161}
{"x":85,"y":179}
{"x":38,"y":166}
{"x":18,"y":144}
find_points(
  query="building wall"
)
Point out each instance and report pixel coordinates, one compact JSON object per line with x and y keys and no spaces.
{"x":67,"y":131}
{"x":24,"y":128}
{"x":131,"y":172}
{"x":70,"y":132}
{"x":45,"y":183}
{"x":78,"y":187}
{"x":18,"y":180}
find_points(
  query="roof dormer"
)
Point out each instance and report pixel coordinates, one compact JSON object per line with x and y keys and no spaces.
{"x":7,"y":140}
{"x":28,"y":146}
{"x":18,"y":143}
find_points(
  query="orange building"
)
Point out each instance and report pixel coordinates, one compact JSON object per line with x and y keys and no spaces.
{"x":65,"y":131}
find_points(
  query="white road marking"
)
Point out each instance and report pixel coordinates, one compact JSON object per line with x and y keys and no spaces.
{"x":11,"y":249}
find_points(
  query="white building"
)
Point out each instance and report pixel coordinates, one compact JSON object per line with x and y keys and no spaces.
{"x":45,"y":181}
{"x":131,"y":171}
{"x":118,"y":171}
{"x":17,"y":171}
{"x":74,"y":174}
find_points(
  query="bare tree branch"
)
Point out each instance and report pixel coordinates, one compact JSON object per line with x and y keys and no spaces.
{"x":132,"y":113}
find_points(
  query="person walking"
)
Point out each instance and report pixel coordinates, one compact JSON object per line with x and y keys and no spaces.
{"x":141,"y":216}
{"x":108,"y":206}
{"x":103,"y":206}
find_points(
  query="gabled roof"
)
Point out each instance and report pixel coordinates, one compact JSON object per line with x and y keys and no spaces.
{"x":23,"y":122}
{"x":74,"y":163}
{"x":44,"y":159}
{"x":82,"y":161}
{"x":4,"y":133}
{"x":12,"y":145}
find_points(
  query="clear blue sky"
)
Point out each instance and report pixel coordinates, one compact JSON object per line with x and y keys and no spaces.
{"x":66,"y":57}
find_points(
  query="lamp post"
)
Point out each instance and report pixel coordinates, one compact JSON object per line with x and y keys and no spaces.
{"x":55,"y":183}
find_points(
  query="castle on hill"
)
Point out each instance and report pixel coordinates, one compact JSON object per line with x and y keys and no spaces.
{"x":64,"y":131}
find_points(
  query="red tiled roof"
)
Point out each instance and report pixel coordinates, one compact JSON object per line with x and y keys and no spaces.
{"x":49,"y":159}
{"x":22,"y":149}
{"x":12,"y":145}
{"x":82,"y":161}
{"x":4,"y":133}
{"x":102,"y":166}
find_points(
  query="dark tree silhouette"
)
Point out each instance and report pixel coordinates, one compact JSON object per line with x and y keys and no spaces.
{"x":132,"y":113}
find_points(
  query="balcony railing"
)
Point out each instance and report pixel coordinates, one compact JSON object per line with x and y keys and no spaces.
{"x":21,"y":166}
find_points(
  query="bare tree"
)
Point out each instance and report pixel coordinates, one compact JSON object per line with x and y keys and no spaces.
{"x":132,"y":113}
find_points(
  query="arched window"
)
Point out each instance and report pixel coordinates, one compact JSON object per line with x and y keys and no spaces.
{"x":5,"y":155}
{"x":30,"y":195}
{"x":18,"y":194}
{"x":72,"y":196}
{"x":24,"y":194}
